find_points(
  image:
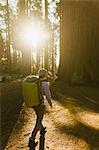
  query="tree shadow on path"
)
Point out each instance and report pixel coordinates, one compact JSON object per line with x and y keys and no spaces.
{"x":79,"y":130}
{"x":75,"y":100}
{"x":78,"y":96}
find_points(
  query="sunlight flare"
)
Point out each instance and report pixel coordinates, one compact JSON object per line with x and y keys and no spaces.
{"x":34,"y":35}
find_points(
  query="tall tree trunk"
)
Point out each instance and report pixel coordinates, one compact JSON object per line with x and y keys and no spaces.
{"x":38,"y":59}
{"x":26,"y":49}
{"x":8,"y":39}
{"x":46,"y":45}
{"x":79,"y":39}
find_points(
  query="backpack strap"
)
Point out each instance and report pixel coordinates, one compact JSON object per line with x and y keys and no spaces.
{"x":40,"y":96}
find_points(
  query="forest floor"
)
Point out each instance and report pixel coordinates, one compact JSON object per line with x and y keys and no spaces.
{"x":72,"y":123}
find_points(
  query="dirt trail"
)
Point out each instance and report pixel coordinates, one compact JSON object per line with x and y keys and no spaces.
{"x":72,"y":123}
{"x":60,"y":123}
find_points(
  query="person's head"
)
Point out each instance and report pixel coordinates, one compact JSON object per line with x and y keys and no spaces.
{"x":43,"y":73}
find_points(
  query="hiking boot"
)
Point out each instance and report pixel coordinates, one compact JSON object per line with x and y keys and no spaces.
{"x":43,"y":130}
{"x":32,"y":144}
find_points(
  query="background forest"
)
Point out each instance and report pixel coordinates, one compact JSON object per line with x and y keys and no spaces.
{"x":61,"y":36}
{"x":29,"y":35}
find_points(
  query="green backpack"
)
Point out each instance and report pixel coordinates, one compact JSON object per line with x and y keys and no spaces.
{"x":30,"y":90}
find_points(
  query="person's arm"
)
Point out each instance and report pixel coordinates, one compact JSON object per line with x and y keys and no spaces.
{"x":51,"y":77}
{"x":47,"y":92}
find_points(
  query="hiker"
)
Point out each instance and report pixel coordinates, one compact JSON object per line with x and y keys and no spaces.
{"x":44,"y":91}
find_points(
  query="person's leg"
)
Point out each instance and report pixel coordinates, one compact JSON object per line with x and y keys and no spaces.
{"x":39,"y":110}
{"x":40,"y":115}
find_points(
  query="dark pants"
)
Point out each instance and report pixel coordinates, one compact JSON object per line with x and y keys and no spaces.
{"x":39,"y":110}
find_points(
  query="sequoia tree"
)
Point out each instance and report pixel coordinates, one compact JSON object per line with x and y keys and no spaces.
{"x":79,"y":54}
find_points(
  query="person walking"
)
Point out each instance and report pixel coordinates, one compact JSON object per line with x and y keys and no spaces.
{"x":44,"y":92}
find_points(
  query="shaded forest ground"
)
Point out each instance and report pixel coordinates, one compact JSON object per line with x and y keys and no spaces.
{"x":10,"y":106}
{"x":72,"y":123}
